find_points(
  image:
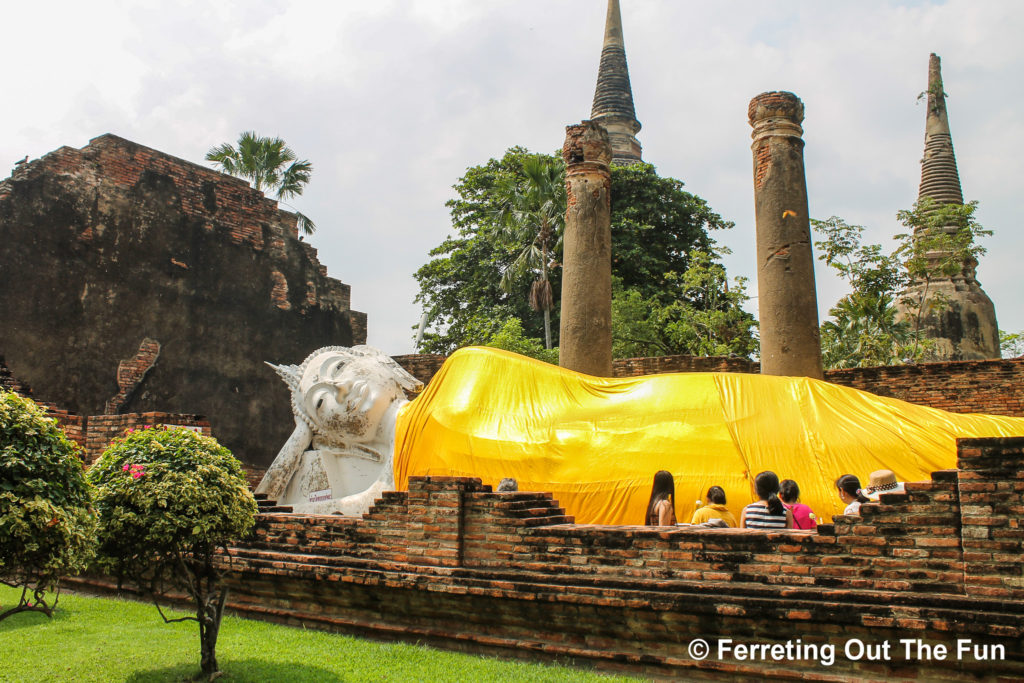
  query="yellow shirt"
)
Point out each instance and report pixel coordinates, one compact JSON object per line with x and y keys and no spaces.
{"x":713,"y":511}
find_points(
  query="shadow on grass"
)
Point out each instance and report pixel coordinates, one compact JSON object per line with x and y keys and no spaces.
{"x":30,"y":619}
{"x":241,"y":671}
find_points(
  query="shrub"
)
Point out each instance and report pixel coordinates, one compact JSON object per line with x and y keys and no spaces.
{"x":167,"y":499}
{"x":47,"y":528}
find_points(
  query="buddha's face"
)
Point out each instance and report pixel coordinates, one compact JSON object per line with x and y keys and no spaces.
{"x":346,"y":397}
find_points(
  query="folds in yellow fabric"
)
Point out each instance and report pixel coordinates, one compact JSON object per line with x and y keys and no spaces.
{"x":595,"y":443}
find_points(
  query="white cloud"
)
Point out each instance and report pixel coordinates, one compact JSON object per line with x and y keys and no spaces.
{"x":393,"y":100}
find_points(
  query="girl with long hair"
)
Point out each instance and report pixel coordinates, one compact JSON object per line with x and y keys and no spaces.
{"x":768,"y":512}
{"x":661,"y":508}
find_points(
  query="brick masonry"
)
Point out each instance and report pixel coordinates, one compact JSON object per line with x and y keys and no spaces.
{"x":102,"y":429}
{"x":451,"y":563}
{"x":93,"y":434}
{"x":132,"y":281}
{"x":981,"y":386}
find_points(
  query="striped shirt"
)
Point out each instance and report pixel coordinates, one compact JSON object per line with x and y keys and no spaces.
{"x":758,"y":517}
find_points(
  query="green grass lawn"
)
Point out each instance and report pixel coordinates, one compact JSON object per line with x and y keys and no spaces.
{"x":106,"y":640}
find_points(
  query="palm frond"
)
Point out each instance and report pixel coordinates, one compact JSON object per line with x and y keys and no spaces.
{"x":305,"y":223}
{"x":270,"y":164}
{"x":294,"y":179}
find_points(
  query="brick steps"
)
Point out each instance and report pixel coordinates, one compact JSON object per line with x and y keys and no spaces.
{"x":539,"y":583}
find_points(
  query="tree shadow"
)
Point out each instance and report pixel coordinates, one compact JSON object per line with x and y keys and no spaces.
{"x":31,"y":618}
{"x":241,"y":671}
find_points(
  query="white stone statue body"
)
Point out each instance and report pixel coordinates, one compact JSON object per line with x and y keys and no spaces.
{"x":340,"y":456}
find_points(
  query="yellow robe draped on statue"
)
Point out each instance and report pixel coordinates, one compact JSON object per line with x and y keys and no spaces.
{"x":595,"y":443}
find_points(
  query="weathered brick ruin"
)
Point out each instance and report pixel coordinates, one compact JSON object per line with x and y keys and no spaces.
{"x":613,"y":96}
{"x":132,"y":281}
{"x":450,"y":563}
{"x":964,"y":327}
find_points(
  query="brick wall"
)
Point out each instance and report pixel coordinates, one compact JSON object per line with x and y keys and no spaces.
{"x":451,"y":563}
{"x":422,"y":366}
{"x":134,"y":281}
{"x":982,"y":386}
{"x":131,"y":372}
{"x":8,"y":381}
{"x":102,"y":429}
{"x":991,"y":491}
{"x":93,"y":434}
{"x":72,"y":424}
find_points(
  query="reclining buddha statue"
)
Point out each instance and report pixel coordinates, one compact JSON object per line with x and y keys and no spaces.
{"x":593,"y":442}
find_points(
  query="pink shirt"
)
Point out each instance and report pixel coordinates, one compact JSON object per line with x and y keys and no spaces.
{"x":801,"y":516}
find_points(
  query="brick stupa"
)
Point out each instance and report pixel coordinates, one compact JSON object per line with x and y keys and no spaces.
{"x":964,"y":326}
{"x":613,"y":96}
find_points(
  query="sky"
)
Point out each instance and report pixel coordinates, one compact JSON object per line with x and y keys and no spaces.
{"x":391,"y":100}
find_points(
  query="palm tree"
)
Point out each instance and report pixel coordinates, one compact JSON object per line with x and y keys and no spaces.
{"x":270,"y":164}
{"x":533,"y":213}
{"x":865,"y":333}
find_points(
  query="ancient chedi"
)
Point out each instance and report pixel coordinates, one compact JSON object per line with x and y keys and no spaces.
{"x":963,"y":326}
{"x":585,"y":329}
{"x":613,"y":96}
{"x":132,"y":281}
{"x":787,"y":300}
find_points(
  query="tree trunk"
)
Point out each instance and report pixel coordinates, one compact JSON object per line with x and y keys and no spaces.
{"x":209,"y":629}
{"x":544,"y":276}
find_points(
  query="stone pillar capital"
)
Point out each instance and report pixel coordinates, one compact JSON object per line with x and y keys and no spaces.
{"x":776,"y":113}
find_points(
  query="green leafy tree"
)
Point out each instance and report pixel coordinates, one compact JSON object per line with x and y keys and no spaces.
{"x":942,"y":242}
{"x":1011,"y":344}
{"x":270,"y":164}
{"x":707,"y":320}
{"x":867,"y":328}
{"x":864,"y":330}
{"x":167,"y":500}
{"x":470,"y":284}
{"x":511,"y":338}
{"x":47,"y":528}
{"x":533,"y":213}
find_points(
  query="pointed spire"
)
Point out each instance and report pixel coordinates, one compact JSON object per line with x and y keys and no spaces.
{"x":963,"y":326}
{"x":939,"y":178}
{"x":613,"y":96}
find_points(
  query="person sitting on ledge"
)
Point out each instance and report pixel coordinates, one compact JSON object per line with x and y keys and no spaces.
{"x":768,"y":512}
{"x":803,"y":517}
{"x":661,"y":508}
{"x":883,"y":481}
{"x":850,"y":493}
{"x":715,"y":508}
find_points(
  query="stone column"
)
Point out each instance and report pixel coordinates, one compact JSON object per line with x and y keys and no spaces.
{"x":585,"y":333}
{"x":787,"y":301}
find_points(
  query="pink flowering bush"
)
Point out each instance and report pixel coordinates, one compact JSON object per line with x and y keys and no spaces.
{"x":167,"y":500}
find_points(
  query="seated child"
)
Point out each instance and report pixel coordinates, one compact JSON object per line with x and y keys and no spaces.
{"x":803,"y":518}
{"x":850,"y":493}
{"x":715,"y":509}
{"x":767,"y":512}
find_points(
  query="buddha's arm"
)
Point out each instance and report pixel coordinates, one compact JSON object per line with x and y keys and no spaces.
{"x":283,"y":468}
